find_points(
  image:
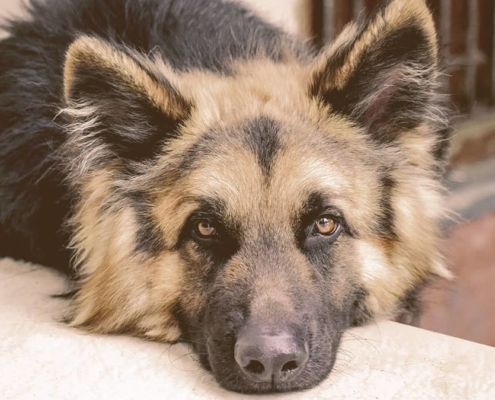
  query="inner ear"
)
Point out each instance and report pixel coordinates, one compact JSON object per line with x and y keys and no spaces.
{"x":383,"y":74}
{"x":117,"y":101}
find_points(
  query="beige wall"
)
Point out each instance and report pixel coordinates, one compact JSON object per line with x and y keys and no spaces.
{"x":292,"y":15}
{"x":10,"y":7}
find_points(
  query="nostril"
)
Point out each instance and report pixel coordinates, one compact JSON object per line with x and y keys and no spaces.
{"x":289,"y":366}
{"x":255,"y":367}
{"x":270,"y":357}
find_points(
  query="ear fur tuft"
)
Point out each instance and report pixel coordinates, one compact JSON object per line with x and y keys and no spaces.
{"x":384,"y":74}
{"x":113,"y":98}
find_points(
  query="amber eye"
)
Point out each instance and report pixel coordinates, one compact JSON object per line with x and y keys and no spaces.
{"x":205,"y":229}
{"x":326,"y":226}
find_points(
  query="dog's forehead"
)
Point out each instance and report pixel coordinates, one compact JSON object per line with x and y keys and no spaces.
{"x":260,"y":169}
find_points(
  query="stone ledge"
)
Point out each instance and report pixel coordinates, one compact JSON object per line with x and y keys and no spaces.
{"x":41,"y":358}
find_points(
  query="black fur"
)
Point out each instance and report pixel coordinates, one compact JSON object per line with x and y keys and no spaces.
{"x":260,"y":136}
{"x":148,"y":239}
{"x":129,"y":124}
{"x":201,"y":148}
{"x":386,"y":223}
{"x":403,"y":104}
{"x":217,"y":250}
{"x":34,"y":198}
{"x":262,"y":139}
{"x":227,"y":311}
{"x":315,"y":205}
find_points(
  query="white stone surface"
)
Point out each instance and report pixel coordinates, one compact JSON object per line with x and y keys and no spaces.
{"x":41,"y":358}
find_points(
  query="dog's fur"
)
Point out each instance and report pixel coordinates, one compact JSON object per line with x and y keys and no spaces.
{"x":125,"y":122}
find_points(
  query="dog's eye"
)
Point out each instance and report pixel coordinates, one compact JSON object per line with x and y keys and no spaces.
{"x":205,"y":229}
{"x":326,"y":226}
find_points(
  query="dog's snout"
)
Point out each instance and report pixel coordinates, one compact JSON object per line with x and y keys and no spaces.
{"x":270,"y":358}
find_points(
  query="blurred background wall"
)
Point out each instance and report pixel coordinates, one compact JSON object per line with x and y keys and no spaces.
{"x":466,"y":307}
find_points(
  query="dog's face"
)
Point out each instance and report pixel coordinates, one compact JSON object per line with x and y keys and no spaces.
{"x":269,"y":238}
{"x":257,"y":215}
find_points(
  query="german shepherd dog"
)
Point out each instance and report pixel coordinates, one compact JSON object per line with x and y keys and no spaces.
{"x":205,"y":177}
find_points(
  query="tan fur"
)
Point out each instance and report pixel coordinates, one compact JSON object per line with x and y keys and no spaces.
{"x":125,"y":291}
{"x":95,"y":52}
{"x":115,"y":296}
{"x":398,"y":14}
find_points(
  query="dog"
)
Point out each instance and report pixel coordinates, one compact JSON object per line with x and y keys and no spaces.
{"x":204,"y":177}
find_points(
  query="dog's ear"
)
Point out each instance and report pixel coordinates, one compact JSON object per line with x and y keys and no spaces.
{"x":116,"y":102}
{"x":383,"y":75}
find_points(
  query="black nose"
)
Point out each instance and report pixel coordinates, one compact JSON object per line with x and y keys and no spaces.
{"x":270,"y":358}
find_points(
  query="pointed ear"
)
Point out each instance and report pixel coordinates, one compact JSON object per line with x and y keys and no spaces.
{"x":383,"y":74}
{"x":117,"y":102}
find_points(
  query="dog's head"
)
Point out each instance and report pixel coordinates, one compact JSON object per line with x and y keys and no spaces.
{"x":261,"y":213}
